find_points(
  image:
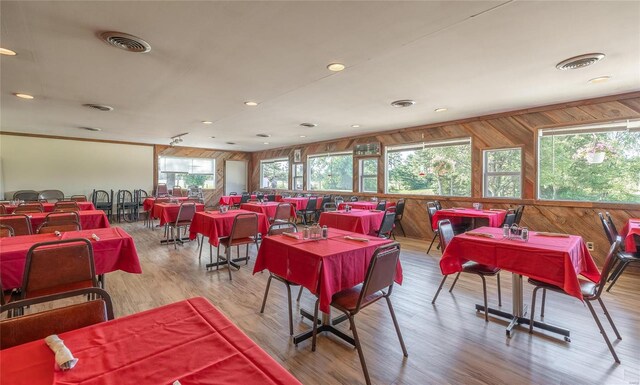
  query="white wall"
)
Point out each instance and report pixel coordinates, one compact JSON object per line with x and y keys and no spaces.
{"x":74,"y":167}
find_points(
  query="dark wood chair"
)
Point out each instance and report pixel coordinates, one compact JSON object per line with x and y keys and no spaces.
{"x":377,"y":284}
{"x":19,"y":222}
{"x":445,"y":230}
{"x":243,"y":232}
{"x":590,"y":292}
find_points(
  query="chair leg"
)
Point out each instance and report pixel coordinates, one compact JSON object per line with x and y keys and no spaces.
{"x":484,"y":292}
{"x":604,"y":334}
{"x":454,"y":283}
{"x":544,"y":301}
{"x":266,"y":293}
{"x":617,"y":265}
{"x":444,"y":278}
{"x":395,"y":324}
{"x":499,"y":290}
{"x":354,"y":330}
{"x":431,"y":244}
{"x":315,"y":326}
{"x":623,"y":266}
{"x":401,"y":228}
{"x":533,"y":308}
{"x":200,"y":247}
{"x":300,"y":293}
{"x":229,"y":262}
{"x":606,"y":313}
{"x":290,"y":309}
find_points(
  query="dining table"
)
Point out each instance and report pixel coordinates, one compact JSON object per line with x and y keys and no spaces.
{"x":187,"y":342}
{"x":357,"y":221}
{"x":630,"y":228}
{"x":365,"y":205}
{"x":456,"y":214}
{"x":147,"y":203}
{"x":231,"y":200}
{"x":216,"y":225}
{"x":113,"y":250}
{"x":555,"y":258}
{"x":323,"y":266}
{"x":300,"y":203}
{"x":168,"y":212}
{"x":49,"y":207}
{"x":266,"y":208}
{"x":89,"y":219}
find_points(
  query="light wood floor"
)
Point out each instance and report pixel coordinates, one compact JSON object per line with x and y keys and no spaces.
{"x":448,"y":343}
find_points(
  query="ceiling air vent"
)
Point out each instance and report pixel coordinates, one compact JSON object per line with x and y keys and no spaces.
{"x":126,"y":42}
{"x":310,"y":125}
{"x":403,"y":103}
{"x":99,"y":107}
{"x":90,"y":128}
{"x":263,"y":135}
{"x":231,"y":143}
{"x":580,"y":61}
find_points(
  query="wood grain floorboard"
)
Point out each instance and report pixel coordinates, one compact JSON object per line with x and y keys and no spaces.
{"x":448,"y":343}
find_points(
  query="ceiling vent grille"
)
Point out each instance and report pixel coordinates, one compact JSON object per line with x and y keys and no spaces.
{"x":580,"y":61}
{"x":310,"y":125}
{"x":99,"y":107}
{"x":126,"y":42}
{"x":94,"y":129}
{"x":403,"y":103}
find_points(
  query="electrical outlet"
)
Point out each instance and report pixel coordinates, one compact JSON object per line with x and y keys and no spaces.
{"x":590,"y":246}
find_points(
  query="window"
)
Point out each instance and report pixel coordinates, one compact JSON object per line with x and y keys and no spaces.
{"x":185,"y":172}
{"x":369,"y":175}
{"x":298,"y":170}
{"x":596,"y":163}
{"x":330,"y":172}
{"x":274,"y":174}
{"x":431,"y":168}
{"x":502,"y":173}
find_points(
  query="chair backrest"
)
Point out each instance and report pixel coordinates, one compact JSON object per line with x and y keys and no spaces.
{"x":244,"y":226}
{"x":176,"y":191}
{"x":445,"y":231}
{"x":52,"y":227}
{"x":102,"y":199}
{"x":283,"y":227}
{"x":399,"y":209}
{"x":438,"y":205}
{"x":124,"y":196}
{"x":431,"y":210}
{"x":386,"y":226}
{"x":609,"y":263}
{"x":5,"y":232}
{"x":66,"y":206}
{"x":78,"y":198}
{"x":185,"y":213}
{"x":353,"y":198}
{"x":20,"y":223}
{"x":636,"y":240}
{"x":338,"y":200}
{"x":283,"y":212}
{"x":329,"y":206}
{"x":612,"y":225}
{"x":53,"y":267}
{"x":312,"y":204}
{"x":510,"y":218}
{"x":19,"y":330}
{"x":244,"y":198}
{"x":51,"y":195}
{"x":162,"y":190}
{"x":233,"y":193}
{"x":607,"y":229}
{"x":381,"y":272}
{"x":3,"y":209}
{"x":62,"y":216}
{"x":26,"y":195}
{"x":271,"y":197}
{"x":382,"y":205}
{"x":519,"y":212}
{"x":33,"y":207}
{"x":325,"y":199}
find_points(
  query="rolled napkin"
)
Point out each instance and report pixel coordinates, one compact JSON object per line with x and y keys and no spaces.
{"x":349,"y":237}
{"x":291,"y":235}
{"x":95,"y":237}
{"x":477,"y":234}
{"x":558,"y":235}
{"x":64,"y":358}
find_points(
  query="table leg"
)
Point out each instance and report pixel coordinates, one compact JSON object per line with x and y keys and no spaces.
{"x":324,"y":325}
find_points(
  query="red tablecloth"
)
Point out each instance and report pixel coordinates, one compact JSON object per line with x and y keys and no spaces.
{"x":557,"y":261}
{"x":89,"y":219}
{"x":189,"y":341}
{"x":266,"y":208}
{"x":230,"y":200}
{"x":168,"y":212}
{"x":114,"y":251}
{"x":214,"y":225}
{"x":325,"y":267}
{"x":496,"y":217}
{"x":631,"y":227}
{"x":358,"y":221}
{"x":364,"y":205}
{"x":147,"y":203}
{"x":300,"y":203}
{"x":48,"y":207}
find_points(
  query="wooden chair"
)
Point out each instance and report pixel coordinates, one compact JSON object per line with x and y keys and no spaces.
{"x":6,"y":231}
{"x":25,"y":208}
{"x":62,"y":217}
{"x":52,"y":227}
{"x":183,"y":221}
{"x":377,"y":284}
{"x":386,"y":226}
{"x":283,"y":213}
{"x":590,"y":292}
{"x":20,"y":330}
{"x":445,"y":230}
{"x":19,"y":222}
{"x":78,"y":198}
{"x":274,"y":229}
{"x":66,"y":206}
{"x":243,"y":232}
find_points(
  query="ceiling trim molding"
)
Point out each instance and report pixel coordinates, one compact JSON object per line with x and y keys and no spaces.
{"x":72,"y":138}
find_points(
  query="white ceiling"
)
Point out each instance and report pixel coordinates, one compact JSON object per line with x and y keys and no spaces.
{"x":207,"y":58}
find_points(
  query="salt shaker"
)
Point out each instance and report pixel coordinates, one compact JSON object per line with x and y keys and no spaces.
{"x":505,"y":231}
{"x":305,"y":232}
{"x":325,"y":232}
{"x":525,"y":234}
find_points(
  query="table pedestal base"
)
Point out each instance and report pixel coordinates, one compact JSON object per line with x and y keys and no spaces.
{"x":178,"y":240}
{"x":324,"y":325}
{"x":223,"y":263}
{"x":516,"y":320}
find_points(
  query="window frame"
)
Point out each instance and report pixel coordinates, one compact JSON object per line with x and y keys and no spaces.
{"x":275,"y":160}
{"x":485,"y":174}
{"x":363,"y":176}
{"x":212,"y":174}
{"x":328,"y":154}
{"x":294,"y":176}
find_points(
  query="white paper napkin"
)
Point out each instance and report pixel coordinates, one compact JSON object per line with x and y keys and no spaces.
{"x":64,"y":358}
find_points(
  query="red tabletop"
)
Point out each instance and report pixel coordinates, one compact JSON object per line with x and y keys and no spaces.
{"x":230,"y":200}
{"x":189,"y":341}
{"x":496,"y":217}
{"x":214,"y":225}
{"x":364,"y":205}
{"x":266,"y":208}
{"x":147,"y":203}
{"x":631,"y":227}
{"x":114,"y":251}
{"x":48,"y":207}
{"x":300,"y":203}
{"x":168,"y":212}
{"x":557,"y":261}
{"x":89,"y":219}
{"x":325,"y":266}
{"x":358,"y":221}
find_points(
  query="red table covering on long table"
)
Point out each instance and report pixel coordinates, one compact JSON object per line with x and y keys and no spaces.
{"x":48,"y":207}
{"x":364,"y":205}
{"x":168,"y":212}
{"x":557,"y":261}
{"x":496,"y":217}
{"x":266,"y":208}
{"x":89,"y":219}
{"x":300,"y":203}
{"x":214,"y":225}
{"x":631,"y":227}
{"x":230,"y":200}
{"x":114,"y":251}
{"x":325,"y":266}
{"x":358,"y":221}
{"x":147,"y":203}
{"x":189,"y":341}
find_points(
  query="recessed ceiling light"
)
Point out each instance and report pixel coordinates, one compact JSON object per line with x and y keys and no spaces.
{"x":263,"y":135}
{"x":600,"y":79}
{"x":265,"y":143}
{"x":441,"y":109}
{"x":24,"y":96}
{"x":310,"y":125}
{"x":303,"y":136}
{"x":250,"y":103}
{"x":403,"y":103}
{"x":8,"y":52}
{"x":90,"y":128}
{"x":336,"y":67}
{"x":580,"y":61}
{"x":355,"y":126}
{"x":207,"y":122}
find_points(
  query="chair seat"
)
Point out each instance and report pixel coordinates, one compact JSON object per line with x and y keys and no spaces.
{"x":587,"y":288}
{"x":478,"y":268}
{"x":629,"y":257}
{"x":238,"y":241}
{"x":348,"y":299}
